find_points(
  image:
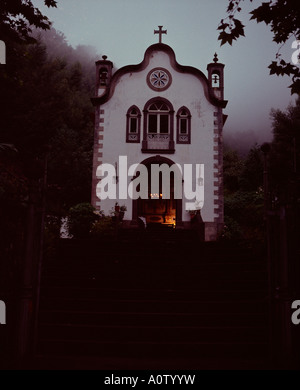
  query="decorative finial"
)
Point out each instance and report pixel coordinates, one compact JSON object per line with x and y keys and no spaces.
{"x":160,"y":32}
{"x":216,"y":59}
{"x":104,"y":57}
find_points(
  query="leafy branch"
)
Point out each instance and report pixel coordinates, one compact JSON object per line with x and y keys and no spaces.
{"x":18,"y":16}
{"x":230,"y":27}
{"x":283,"y":16}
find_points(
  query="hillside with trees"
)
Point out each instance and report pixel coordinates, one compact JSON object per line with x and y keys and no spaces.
{"x":46,"y":138}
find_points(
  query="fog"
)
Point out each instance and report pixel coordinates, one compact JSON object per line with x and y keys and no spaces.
{"x":123,"y":30}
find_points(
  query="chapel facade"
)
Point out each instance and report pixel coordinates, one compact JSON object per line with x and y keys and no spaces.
{"x":160,"y":114}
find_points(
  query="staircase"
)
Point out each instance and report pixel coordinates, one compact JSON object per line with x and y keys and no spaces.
{"x":157,"y":301}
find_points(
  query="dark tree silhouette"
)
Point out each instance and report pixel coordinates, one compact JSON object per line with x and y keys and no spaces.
{"x":283,"y":17}
{"x":17,"y":17}
{"x":285,"y":152}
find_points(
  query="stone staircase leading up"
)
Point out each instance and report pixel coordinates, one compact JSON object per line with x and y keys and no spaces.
{"x":161,"y":301}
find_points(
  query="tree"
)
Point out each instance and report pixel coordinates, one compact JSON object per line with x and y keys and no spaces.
{"x":45,"y":111}
{"x":233,"y":167}
{"x":252,"y":174}
{"x":46,"y":101}
{"x":243,"y":195}
{"x":17,"y":17}
{"x":283,"y":16}
{"x":57,"y":47}
{"x":285,"y":153}
{"x":80,"y":220}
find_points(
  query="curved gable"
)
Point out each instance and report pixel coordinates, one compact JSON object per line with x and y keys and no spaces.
{"x":143,"y":65}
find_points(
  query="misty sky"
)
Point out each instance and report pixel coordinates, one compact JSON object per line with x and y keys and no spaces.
{"x":123,"y":29}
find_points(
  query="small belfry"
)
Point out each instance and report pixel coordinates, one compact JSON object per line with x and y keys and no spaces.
{"x":216,"y":77}
{"x":159,"y":116}
{"x":103,"y":75}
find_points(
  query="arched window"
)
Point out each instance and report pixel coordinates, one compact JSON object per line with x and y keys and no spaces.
{"x":133,"y":126}
{"x":103,"y":73}
{"x":158,"y":126}
{"x":158,"y":118}
{"x":215,"y":79}
{"x":183,"y":126}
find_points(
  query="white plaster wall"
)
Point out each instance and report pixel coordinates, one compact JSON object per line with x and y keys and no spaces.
{"x":185,"y":90}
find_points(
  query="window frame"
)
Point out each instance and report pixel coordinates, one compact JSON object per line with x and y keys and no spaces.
{"x":103,"y":76}
{"x":187,"y":117}
{"x":136,"y":116}
{"x":147,"y":112}
{"x":158,"y":114}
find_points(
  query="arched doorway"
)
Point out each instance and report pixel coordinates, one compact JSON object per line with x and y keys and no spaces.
{"x":157,"y":211}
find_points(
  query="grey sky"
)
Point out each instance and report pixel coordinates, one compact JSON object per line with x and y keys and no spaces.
{"x":123,"y":29}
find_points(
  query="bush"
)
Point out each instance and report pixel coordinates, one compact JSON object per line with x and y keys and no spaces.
{"x":81,"y":219}
{"x":231,"y":230}
{"x":105,"y":227}
{"x":244,"y":215}
{"x":51,"y":235}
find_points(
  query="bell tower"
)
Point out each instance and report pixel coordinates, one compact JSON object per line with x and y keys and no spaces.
{"x":103,"y":75}
{"x":216,"y":77}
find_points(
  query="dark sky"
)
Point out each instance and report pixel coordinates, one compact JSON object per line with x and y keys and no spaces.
{"x":123,"y":29}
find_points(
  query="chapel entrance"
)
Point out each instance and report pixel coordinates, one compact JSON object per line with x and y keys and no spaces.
{"x":157,"y":211}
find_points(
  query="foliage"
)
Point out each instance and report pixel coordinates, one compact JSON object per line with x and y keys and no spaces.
{"x":85,"y":55}
{"x":46,"y":116}
{"x":252,"y":172}
{"x":49,"y":99}
{"x":6,"y":148}
{"x":243,"y":195}
{"x":283,"y":16}
{"x":105,"y":227}
{"x":233,"y":166}
{"x":51,"y":235}
{"x":243,"y":177}
{"x":285,"y":152}
{"x":44,"y":99}
{"x":80,"y":220}
{"x":17,"y":18}
{"x":13,"y":192}
{"x":244,"y":215}
{"x":231,"y":230}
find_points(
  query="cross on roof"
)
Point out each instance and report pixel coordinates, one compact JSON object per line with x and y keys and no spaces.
{"x":160,"y":32}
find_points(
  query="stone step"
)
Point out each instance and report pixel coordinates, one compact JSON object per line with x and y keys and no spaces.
{"x":237,"y":319}
{"x":208,"y":304}
{"x":87,"y":248}
{"x":139,"y":258}
{"x":154,"y":350}
{"x":147,"y":298}
{"x":55,"y":362}
{"x":149,"y":281}
{"x":149,"y":287}
{"x":165,"y":334}
{"x":129,"y":265}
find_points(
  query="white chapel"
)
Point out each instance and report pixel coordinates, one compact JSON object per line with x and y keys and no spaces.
{"x":160,"y":113}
